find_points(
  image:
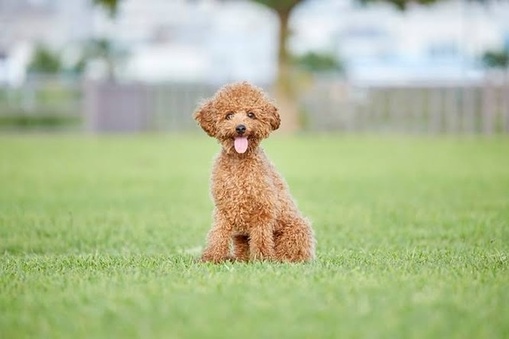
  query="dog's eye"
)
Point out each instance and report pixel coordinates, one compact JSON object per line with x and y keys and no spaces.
{"x":229,"y":116}
{"x":251,"y":115}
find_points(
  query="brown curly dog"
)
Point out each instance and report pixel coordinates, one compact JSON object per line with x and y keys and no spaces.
{"x":253,"y":207}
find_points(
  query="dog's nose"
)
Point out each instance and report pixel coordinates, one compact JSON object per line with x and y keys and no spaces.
{"x":240,"y":129}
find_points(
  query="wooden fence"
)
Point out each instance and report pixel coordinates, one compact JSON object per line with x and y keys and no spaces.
{"x":450,"y":108}
{"x":431,"y":108}
{"x":140,"y":107}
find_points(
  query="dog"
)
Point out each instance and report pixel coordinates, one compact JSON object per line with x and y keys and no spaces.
{"x":253,"y":208}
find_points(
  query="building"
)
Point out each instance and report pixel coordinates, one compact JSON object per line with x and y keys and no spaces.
{"x":219,"y":41}
{"x":181,"y":40}
{"x":379,"y":43}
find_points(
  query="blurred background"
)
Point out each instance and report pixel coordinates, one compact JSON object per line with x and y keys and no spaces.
{"x":387,"y":66}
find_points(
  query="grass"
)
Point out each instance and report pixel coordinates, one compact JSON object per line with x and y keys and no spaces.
{"x":99,"y":235}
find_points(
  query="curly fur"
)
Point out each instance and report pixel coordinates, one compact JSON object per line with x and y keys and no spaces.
{"x":254,"y":210}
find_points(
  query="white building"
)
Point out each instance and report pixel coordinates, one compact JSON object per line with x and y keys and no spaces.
{"x":25,"y":23}
{"x":194,"y":41}
{"x":380,"y":43}
{"x":219,"y":41}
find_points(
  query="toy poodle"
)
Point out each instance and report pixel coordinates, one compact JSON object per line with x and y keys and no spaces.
{"x":255,"y":217}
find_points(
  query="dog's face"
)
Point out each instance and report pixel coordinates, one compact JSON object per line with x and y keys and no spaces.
{"x":239,"y":116}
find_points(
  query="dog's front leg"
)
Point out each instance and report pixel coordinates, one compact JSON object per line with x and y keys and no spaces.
{"x":262,"y":242}
{"x":241,"y":247}
{"x":218,"y":241}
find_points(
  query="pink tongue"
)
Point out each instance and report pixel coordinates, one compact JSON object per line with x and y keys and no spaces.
{"x":240,"y":144}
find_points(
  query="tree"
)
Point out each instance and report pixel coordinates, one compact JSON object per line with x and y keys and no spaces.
{"x":285,"y":92}
{"x":45,"y":61}
{"x":496,"y":59}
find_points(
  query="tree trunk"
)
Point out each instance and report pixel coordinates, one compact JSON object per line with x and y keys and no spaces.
{"x":285,"y":91}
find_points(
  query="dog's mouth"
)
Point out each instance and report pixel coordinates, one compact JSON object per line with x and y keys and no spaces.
{"x":240,"y":143}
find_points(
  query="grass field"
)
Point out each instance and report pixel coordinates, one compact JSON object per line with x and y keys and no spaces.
{"x":98,"y":239}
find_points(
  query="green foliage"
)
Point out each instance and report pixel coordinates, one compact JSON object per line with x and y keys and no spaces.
{"x":318,"y":62}
{"x":45,"y":61}
{"x":99,"y":48}
{"x":99,"y":238}
{"x":496,"y":59}
{"x":110,"y":5}
{"x":280,"y":6}
{"x":80,"y":66}
{"x":401,"y":4}
{"x":22,"y":121}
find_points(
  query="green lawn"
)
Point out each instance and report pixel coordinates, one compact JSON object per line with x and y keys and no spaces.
{"x":99,"y":236}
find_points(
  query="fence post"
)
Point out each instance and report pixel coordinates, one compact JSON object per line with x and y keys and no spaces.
{"x":451,"y":110}
{"x":417,"y":110}
{"x":375,"y":103}
{"x":89,"y":108}
{"x":505,"y":104}
{"x":487,"y":106}
{"x":435,"y":105}
{"x":468,"y":103}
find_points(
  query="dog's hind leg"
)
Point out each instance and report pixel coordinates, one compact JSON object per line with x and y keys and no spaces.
{"x":294,"y":241}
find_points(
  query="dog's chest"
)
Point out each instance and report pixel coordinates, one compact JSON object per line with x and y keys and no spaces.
{"x":242,"y":190}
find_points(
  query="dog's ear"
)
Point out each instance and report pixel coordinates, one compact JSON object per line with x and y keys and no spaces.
{"x":204,"y":115}
{"x":274,"y":118}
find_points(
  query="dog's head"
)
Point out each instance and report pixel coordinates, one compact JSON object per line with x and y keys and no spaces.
{"x":239,"y":116}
